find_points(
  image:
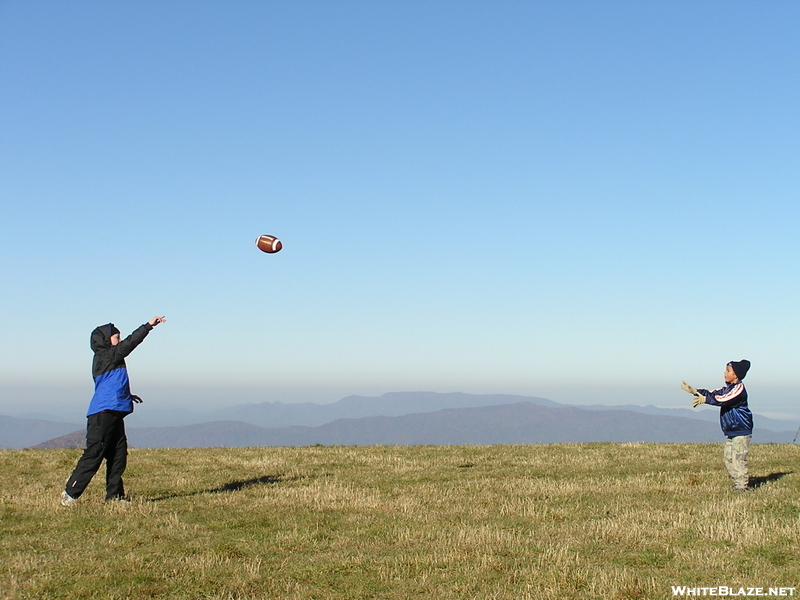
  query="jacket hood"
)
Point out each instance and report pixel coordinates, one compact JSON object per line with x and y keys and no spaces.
{"x":101,"y":337}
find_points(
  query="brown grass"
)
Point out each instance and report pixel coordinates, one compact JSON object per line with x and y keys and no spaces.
{"x":611,"y":521}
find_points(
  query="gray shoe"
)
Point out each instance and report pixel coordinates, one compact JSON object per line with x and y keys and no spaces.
{"x":67,"y":500}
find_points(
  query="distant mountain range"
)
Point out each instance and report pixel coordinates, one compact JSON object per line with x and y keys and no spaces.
{"x":76,"y":439}
{"x":428,"y":418}
{"x":278,"y":414}
{"x":23,"y":433}
{"x":520,"y":423}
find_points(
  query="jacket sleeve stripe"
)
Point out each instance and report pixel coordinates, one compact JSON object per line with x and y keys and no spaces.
{"x":733,"y":393}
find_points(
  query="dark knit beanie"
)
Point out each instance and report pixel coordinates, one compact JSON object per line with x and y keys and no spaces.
{"x":740,"y":368}
{"x":111,"y":329}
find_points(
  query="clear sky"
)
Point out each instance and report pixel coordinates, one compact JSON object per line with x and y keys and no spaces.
{"x":588,"y":201}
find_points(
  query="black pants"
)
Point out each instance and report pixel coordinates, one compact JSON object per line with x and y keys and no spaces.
{"x":105,"y":439}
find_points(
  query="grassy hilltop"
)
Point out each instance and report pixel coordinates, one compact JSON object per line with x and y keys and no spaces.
{"x":557,"y":521}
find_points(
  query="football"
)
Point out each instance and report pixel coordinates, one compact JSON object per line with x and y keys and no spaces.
{"x":269,"y":244}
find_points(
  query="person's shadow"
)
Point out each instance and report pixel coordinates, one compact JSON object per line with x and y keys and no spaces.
{"x":757,"y":482}
{"x":232,"y":486}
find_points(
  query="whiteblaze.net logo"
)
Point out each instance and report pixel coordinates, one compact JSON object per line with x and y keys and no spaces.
{"x":722,"y":590}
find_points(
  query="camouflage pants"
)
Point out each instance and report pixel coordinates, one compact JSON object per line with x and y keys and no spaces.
{"x":735,"y":456}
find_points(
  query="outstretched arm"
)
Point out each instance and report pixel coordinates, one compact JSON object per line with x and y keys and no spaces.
{"x":724,"y":395}
{"x":126,"y":346}
{"x":152,"y":322}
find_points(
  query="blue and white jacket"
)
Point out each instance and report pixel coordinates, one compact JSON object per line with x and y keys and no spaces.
{"x":735,"y":417}
{"x":112,"y":390}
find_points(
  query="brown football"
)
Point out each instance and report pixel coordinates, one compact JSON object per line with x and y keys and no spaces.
{"x":269,"y":244}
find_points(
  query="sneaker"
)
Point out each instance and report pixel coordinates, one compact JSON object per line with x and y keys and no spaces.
{"x":67,"y":500}
{"x":736,"y":488}
{"x":118,"y":499}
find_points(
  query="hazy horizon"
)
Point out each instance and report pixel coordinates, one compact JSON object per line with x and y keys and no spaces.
{"x":71,"y":402}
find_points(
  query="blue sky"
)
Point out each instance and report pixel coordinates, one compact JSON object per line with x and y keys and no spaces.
{"x":587,"y":201}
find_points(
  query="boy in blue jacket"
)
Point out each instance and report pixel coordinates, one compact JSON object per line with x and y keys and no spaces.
{"x":111,"y":403}
{"x":735,"y":419}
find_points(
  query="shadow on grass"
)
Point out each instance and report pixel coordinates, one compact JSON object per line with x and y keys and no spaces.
{"x":757,"y":482}
{"x":232,"y":486}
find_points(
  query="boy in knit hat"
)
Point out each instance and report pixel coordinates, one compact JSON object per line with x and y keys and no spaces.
{"x":735,"y":419}
{"x":111,"y":403}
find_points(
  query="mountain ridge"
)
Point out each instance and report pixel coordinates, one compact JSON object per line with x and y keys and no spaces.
{"x":519,"y":423}
{"x":20,"y":433}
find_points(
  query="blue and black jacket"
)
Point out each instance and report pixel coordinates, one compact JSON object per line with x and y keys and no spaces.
{"x":735,"y":417}
{"x":112,"y":390}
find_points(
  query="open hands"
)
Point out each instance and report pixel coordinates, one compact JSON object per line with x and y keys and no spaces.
{"x":136,"y":399}
{"x":698,"y":397}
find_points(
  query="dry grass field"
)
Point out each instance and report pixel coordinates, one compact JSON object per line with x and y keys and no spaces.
{"x":582,"y":521}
